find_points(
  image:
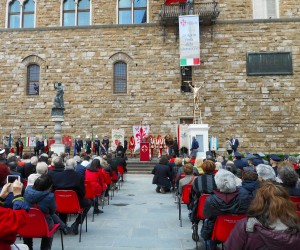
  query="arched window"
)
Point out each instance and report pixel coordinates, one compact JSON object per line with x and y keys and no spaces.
{"x":120,"y":77}
{"x":21,"y":16}
{"x":76,"y":12}
{"x":132,"y":11}
{"x":33,"y":79}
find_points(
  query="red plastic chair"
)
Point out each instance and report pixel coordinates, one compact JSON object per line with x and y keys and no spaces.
{"x":185,"y":199}
{"x":224,"y":224}
{"x":296,"y":200}
{"x":90,"y":193}
{"x":201,"y":203}
{"x":298,"y":212}
{"x":67,"y":203}
{"x":37,"y":227}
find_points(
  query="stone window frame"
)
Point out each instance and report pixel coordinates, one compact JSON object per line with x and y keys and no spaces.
{"x":261,"y":9}
{"x":22,"y":2}
{"x":76,"y":12}
{"x":27,"y":62}
{"x":116,"y":58}
{"x":132,"y":8}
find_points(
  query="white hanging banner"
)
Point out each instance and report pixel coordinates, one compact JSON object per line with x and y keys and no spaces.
{"x":189,"y":40}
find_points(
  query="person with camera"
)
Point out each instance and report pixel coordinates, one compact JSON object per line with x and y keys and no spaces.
{"x":11,"y":220}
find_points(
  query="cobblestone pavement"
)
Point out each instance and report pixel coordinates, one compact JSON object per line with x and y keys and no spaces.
{"x":136,"y":218}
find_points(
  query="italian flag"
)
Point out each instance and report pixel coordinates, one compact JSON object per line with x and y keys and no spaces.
{"x":46,"y":148}
{"x":189,"y":61}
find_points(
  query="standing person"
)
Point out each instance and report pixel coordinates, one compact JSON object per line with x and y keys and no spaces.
{"x":175,"y":147}
{"x":88,"y":146}
{"x":125,"y":147}
{"x":159,"y":145}
{"x":105,"y":143}
{"x":194,"y":147}
{"x":131,"y":146}
{"x":37,"y":147}
{"x":228,"y":146}
{"x":272,"y":222}
{"x":19,"y":147}
{"x":78,"y":144}
{"x":97,"y":145}
{"x":235,"y":144}
{"x":169,"y":144}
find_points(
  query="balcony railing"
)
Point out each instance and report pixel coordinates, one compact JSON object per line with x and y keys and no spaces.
{"x":207,"y":12}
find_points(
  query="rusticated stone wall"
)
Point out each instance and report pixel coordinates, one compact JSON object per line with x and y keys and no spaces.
{"x":262,"y":111}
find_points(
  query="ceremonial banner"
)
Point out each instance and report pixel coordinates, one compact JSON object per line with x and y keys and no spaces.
{"x":51,"y":142}
{"x":30,"y":141}
{"x":140,"y":132}
{"x":182,"y":136}
{"x":189,"y":40}
{"x":145,"y":151}
{"x":117,"y":136}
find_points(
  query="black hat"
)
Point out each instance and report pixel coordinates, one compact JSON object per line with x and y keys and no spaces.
{"x":275,"y":157}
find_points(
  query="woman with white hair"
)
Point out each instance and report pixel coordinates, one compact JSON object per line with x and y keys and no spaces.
{"x":225,"y":200}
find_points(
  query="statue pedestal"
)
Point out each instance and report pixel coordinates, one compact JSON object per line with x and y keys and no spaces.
{"x":58,"y":119}
{"x":200,"y":131}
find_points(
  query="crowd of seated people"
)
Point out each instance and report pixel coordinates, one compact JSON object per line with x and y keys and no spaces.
{"x":38,"y":177}
{"x":238,"y":186}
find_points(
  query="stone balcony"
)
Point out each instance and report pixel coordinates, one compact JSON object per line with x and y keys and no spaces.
{"x":207,"y":12}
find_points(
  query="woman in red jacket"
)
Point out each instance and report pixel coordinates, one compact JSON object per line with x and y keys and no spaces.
{"x":95,"y":175}
{"x":12,"y":220}
{"x":272,"y":222}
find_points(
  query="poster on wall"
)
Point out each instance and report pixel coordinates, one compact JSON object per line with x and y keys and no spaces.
{"x":189,"y":40}
{"x":140,"y":132}
{"x":117,"y":136}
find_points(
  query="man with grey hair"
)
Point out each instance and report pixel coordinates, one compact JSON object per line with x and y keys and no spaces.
{"x":69,"y":179}
{"x":30,"y":167}
{"x":225,"y":200}
{"x":265,"y":173}
{"x":41,"y":168}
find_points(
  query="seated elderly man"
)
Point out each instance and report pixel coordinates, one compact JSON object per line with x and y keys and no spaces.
{"x":225,"y":200}
{"x":41,"y":168}
{"x":69,"y":179}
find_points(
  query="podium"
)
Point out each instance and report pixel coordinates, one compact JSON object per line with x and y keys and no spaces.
{"x":145,"y":151}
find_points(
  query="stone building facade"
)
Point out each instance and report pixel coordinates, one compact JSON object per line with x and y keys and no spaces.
{"x":262,"y":111}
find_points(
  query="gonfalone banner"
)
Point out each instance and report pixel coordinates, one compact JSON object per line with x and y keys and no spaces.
{"x":189,"y":40}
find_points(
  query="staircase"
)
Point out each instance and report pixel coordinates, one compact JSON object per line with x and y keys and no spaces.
{"x":135,"y":166}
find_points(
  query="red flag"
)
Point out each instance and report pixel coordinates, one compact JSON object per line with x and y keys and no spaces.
{"x":175,"y":1}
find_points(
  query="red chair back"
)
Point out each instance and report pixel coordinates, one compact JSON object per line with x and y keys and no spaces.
{"x":121,"y":170}
{"x":37,"y":226}
{"x":89,"y":191}
{"x":186,"y":190}
{"x":115,"y":176}
{"x":201,"y":203}
{"x":67,"y":202}
{"x":296,"y":200}
{"x":298,"y":212}
{"x":224,"y":224}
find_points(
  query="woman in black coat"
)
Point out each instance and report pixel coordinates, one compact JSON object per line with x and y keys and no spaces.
{"x":162,"y":176}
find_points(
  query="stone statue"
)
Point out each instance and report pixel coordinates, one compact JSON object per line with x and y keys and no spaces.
{"x":196,"y":91}
{"x":59,"y":98}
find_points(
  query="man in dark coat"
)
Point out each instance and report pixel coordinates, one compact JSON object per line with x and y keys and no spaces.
{"x":97,"y":145}
{"x":78,"y":145}
{"x":66,"y":178}
{"x":162,"y":176}
{"x":235,"y":144}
